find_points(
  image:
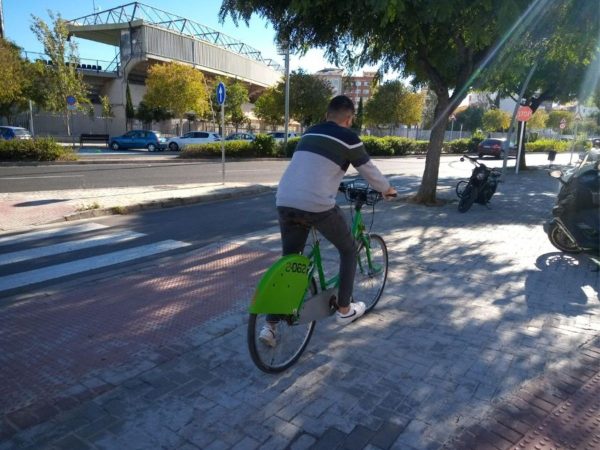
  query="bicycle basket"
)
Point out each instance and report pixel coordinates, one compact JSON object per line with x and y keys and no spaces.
{"x":358,"y":191}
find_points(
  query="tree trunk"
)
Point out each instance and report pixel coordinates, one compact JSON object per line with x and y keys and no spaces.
{"x":522,"y":163}
{"x":427,"y":191}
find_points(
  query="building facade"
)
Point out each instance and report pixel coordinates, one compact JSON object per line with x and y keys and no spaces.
{"x":356,"y":87}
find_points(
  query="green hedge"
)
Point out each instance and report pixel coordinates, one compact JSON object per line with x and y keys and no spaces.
{"x":265,"y":146}
{"x":42,"y":149}
{"x":545,"y":145}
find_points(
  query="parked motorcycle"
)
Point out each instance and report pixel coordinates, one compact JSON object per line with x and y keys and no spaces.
{"x":575,"y":223}
{"x":479,"y":188}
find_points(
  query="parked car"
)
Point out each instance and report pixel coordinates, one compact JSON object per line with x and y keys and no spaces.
{"x":193,"y":137}
{"x":240,"y":137}
{"x":279,"y":135}
{"x":152,"y":140}
{"x":494,"y":147}
{"x":9,"y":133}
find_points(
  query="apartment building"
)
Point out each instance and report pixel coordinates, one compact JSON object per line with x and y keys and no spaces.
{"x":355,"y":87}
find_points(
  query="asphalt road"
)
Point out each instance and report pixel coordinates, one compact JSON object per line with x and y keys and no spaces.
{"x":169,"y":171}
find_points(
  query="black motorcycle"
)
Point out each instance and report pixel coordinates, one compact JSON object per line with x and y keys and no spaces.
{"x":575,"y":223}
{"x":481,"y":186}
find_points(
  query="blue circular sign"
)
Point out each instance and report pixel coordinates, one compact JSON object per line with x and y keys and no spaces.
{"x":221,"y":93}
{"x":71,"y":100}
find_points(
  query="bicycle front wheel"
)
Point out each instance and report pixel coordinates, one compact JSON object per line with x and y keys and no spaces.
{"x":371,"y":271}
{"x":290,"y":341}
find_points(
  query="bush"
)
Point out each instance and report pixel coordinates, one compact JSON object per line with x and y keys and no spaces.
{"x":545,"y":145}
{"x":289,"y":149}
{"x":265,"y":145}
{"x":262,"y":146}
{"x":459,"y":146}
{"x":42,"y":149}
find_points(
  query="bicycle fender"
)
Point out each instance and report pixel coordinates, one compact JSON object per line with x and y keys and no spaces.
{"x":282,"y":287}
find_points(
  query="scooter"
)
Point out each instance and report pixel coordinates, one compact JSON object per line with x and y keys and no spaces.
{"x":480,"y":188}
{"x":575,"y":223}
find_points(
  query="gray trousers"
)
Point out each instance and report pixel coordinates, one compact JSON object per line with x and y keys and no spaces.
{"x":295,"y":225}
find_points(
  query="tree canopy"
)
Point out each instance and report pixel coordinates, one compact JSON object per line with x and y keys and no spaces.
{"x":444,"y":45}
{"x":393,"y":104}
{"x":61,"y":78}
{"x":495,"y":120}
{"x":178,"y":88}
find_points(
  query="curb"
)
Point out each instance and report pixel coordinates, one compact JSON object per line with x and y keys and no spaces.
{"x":167,"y":203}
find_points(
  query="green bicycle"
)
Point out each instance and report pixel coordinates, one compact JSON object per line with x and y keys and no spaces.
{"x":296,"y":289}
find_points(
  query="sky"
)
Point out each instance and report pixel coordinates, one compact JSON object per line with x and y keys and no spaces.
{"x":260,"y":35}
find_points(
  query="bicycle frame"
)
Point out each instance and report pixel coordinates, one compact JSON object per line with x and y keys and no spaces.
{"x":283,"y":287}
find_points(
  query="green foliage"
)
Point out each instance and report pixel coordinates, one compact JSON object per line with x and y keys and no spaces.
{"x":309,"y":96}
{"x":42,"y":149}
{"x":147,"y":114}
{"x":269,"y":106}
{"x":61,"y":78}
{"x":12,"y":73}
{"x":538,"y":120}
{"x":470,"y":118}
{"x":393,"y":146}
{"x":262,"y":146}
{"x":237,"y":94}
{"x":107,"y":110}
{"x":393,"y":104}
{"x":459,"y":146}
{"x":545,"y":145}
{"x":289,"y":149}
{"x":129,"y":111}
{"x":176,"y":88}
{"x":555,"y":117}
{"x":265,"y":145}
{"x":357,"y":122}
{"x":495,"y":120}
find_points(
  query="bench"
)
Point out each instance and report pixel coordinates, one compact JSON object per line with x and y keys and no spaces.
{"x":88,"y":137}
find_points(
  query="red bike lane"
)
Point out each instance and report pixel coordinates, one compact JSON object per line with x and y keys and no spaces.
{"x":66,"y":346}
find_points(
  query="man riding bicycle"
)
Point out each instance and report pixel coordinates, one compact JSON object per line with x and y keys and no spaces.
{"x":306,"y":197}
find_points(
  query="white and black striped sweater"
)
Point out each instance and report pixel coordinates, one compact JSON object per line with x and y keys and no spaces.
{"x":321,"y":159}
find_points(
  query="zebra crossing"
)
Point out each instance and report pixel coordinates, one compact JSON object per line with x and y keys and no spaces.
{"x":45,"y":255}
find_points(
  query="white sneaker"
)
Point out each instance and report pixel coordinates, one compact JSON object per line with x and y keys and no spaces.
{"x":357,"y":309}
{"x":267,"y":336}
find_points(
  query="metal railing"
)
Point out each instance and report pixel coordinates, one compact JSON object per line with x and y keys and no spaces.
{"x":153,"y":16}
{"x":95,"y":65}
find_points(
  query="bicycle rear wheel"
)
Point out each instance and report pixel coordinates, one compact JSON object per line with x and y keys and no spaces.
{"x":371,"y":273}
{"x":292,"y":339}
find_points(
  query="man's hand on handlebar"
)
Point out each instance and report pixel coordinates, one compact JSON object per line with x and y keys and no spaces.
{"x":390,"y":193}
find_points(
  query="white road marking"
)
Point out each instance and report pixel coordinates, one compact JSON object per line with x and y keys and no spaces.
{"x":56,"y":249}
{"x":83,"y":265}
{"x":50,"y":233}
{"x":41,"y":176}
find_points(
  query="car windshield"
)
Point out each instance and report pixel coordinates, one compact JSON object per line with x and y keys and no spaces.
{"x":20,"y":132}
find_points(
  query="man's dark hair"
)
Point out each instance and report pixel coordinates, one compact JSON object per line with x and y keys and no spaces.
{"x":340,"y":106}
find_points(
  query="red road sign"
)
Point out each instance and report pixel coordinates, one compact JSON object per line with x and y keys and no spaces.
{"x":524,"y":113}
{"x":563,"y":124}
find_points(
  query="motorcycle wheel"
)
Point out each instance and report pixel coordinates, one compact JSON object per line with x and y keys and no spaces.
{"x":561,"y":241}
{"x":467,"y":199}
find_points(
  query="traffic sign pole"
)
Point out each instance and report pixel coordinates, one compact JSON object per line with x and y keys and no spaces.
{"x":221,"y":94}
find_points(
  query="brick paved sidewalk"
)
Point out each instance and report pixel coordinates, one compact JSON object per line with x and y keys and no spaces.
{"x":484,"y":330}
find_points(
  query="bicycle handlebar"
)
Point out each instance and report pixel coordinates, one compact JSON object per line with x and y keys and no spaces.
{"x":358,"y":191}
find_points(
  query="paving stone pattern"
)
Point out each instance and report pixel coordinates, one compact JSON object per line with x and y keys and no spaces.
{"x":483,"y":331}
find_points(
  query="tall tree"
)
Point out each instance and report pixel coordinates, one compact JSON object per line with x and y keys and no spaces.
{"x":496,"y":120}
{"x":560,"y":49}
{"x":394,"y":104}
{"x":555,"y":117}
{"x":107,"y":111}
{"x":178,"y":88}
{"x":237,"y":95}
{"x":441,"y":44}
{"x":309,"y":96}
{"x":357,"y":122}
{"x":129,"y":109}
{"x":269,"y":106}
{"x":538,"y":120}
{"x":62,"y":78}
{"x":470,"y":118}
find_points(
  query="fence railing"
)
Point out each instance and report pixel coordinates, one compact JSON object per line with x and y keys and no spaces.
{"x":84,"y":64}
